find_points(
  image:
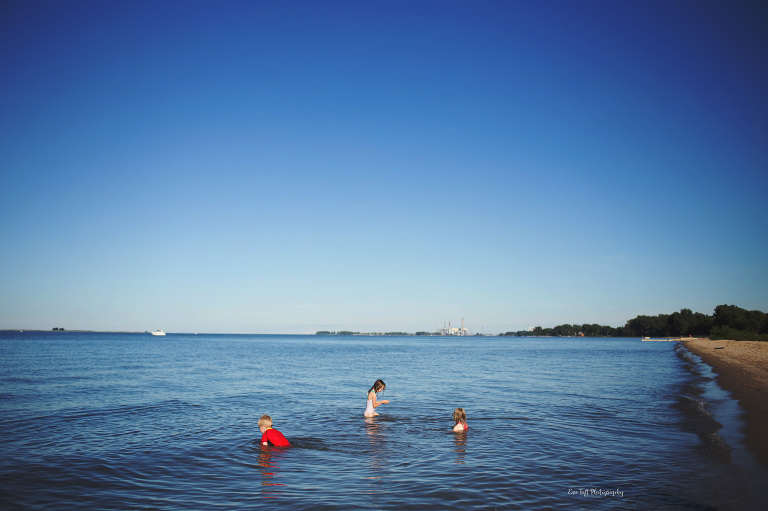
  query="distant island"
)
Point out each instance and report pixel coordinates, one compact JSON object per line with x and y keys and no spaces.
{"x":347,"y":332}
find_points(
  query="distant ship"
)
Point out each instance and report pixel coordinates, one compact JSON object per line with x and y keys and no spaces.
{"x":157,"y":332}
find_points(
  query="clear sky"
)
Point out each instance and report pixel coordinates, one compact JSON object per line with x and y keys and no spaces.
{"x":289,"y":166}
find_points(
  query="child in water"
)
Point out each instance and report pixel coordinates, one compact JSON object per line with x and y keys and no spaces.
{"x":460,"y":418}
{"x":269,"y":435}
{"x":370,"y":407}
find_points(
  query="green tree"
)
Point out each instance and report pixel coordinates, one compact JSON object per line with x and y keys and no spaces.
{"x":731,"y":316}
{"x":679,"y":323}
{"x":701,"y":325}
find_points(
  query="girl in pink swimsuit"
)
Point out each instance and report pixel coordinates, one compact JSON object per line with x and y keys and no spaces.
{"x":370,"y":406}
{"x":460,"y":420}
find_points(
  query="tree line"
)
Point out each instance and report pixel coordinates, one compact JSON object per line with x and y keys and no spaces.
{"x":727,"y":322}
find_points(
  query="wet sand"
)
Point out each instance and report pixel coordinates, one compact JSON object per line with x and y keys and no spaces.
{"x":742,"y":370}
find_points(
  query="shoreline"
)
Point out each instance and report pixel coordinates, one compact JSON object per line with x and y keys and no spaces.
{"x":741,"y":368}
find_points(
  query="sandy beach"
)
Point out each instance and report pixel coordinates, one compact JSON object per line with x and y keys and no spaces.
{"x":742,"y":369}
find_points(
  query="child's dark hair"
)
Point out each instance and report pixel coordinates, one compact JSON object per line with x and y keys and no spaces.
{"x":378,"y":386}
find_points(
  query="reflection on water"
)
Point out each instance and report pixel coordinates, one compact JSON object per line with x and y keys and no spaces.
{"x":268,"y":461}
{"x":460,"y":443}
{"x":375,"y":433}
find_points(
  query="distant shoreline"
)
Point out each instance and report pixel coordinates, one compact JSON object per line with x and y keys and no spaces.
{"x":742,"y":370}
{"x":33,"y":330}
{"x":355,"y":334}
{"x":148,"y":332}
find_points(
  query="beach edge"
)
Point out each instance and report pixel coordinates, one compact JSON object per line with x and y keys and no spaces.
{"x":741,"y":368}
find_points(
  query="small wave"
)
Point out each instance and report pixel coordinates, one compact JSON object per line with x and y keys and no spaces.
{"x":698,"y":419}
{"x":716,"y":444}
{"x":684,"y":354}
{"x":692,"y":406}
{"x":310,"y":443}
{"x":136,"y":409}
{"x":315,"y":444}
{"x":441,"y":419}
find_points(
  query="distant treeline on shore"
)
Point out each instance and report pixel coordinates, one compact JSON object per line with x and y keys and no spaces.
{"x":727,"y":322}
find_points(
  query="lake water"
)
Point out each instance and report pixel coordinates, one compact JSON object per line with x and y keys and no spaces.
{"x":131,"y":421}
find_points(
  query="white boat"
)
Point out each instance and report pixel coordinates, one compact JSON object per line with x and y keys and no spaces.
{"x":157,"y":332}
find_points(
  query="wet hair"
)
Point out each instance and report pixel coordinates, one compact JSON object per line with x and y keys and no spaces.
{"x":378,"y":386}
{"x":265,"y":421}
{"x":459,"y":415}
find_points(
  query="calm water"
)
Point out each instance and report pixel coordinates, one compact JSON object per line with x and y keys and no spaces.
{"x":131,"y":421}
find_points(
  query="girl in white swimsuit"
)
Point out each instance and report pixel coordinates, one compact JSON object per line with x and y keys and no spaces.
{"x":370,"y":406}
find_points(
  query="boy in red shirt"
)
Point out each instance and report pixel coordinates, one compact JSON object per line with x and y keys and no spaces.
{"x":269,"y":435}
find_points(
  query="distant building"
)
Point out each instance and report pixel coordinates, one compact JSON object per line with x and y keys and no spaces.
{"x":453,"y":331}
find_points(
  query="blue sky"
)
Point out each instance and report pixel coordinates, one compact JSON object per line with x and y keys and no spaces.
{"x":287,"y":167}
